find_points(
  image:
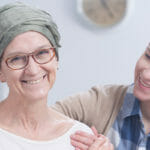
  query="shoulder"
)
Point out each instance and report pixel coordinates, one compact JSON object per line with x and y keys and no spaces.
{"x":109,"y":92}
{"x":79,"y":126}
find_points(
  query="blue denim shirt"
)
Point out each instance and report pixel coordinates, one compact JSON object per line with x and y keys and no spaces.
{"x":127,"y":132}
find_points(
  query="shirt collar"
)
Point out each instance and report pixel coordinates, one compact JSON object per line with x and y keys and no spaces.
{"x":130,"y":105}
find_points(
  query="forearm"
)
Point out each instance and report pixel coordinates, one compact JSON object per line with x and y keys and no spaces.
{"x":98,"y":106}
{"x":80,"y":106}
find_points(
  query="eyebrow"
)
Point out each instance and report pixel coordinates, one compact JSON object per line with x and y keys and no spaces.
{"x":43,"y":46}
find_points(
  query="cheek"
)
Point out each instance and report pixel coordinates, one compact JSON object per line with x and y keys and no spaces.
{"x":11,"y":80}
{"x":11,"y":77}
{"x":53,"y":66}
{"x":136,"y":69}
{"x":140,"y":65}
{"x":52,"y":70}
{"x":142,"y":68}
{"x":136,"y":72}
{"x":52,"y":77}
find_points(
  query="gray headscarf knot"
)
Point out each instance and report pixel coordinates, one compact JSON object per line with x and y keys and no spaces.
{"x":17,"y":18}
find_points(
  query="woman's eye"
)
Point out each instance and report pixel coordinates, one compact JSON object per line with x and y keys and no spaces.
{"x":148,"y":56}
{"x":42,"y":52}
{"x":15,"y":59}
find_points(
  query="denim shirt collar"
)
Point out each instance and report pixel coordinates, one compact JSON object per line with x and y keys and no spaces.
{"x":131,"y":105}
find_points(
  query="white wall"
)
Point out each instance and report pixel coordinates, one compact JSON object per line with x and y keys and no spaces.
{"x":91,"y":56}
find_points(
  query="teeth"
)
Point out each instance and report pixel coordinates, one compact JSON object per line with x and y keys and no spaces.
{"x":146,"y":85}
{"x":33,"y":81}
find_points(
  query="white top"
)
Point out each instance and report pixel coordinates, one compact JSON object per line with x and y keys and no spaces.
{"x":10,"y":141}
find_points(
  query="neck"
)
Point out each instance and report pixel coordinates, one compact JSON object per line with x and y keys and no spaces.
{"x":25,"y":113}
{"x":36,"y":121}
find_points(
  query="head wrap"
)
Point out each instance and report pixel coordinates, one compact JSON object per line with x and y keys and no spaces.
{"x":17,"y":18}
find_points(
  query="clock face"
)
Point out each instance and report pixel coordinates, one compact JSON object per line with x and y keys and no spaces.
{"x":104,"y":12}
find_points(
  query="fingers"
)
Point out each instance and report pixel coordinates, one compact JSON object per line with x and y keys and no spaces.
{"x":79,"y":146}
{"x":112,"y":147}
{"x":83,"y":137}
{"x":82,"y":133}
{"x":85,"y":141}
{"x":94,"y":131}
{"x":82,"y":140}
{"x":101,"y":143}
{"x":106,"y":146}
{"x":98,"y":142}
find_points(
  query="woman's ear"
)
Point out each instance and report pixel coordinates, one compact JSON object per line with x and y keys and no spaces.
{"x":2,"y":77}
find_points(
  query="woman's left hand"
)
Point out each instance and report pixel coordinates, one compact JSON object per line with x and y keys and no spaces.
{"x":85,"y":141}
{"x":101,"y":143}
{"x":82,"y":140}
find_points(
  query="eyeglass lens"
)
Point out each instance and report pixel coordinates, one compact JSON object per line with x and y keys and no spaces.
{"x":21,"y":60}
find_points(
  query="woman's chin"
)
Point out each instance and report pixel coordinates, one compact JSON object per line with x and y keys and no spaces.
{"x":36,"y":95}
{"x":141,"y":95}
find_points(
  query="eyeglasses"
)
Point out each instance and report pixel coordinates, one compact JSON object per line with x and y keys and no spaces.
{"x":20,"y":61}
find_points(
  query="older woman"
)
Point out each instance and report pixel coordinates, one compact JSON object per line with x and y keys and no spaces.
{"x":29,"y":43}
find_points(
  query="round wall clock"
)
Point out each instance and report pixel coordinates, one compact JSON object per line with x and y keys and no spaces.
{"x":103,"y":13}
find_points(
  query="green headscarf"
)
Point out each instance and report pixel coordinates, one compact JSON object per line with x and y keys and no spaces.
{"x":17,"y":18}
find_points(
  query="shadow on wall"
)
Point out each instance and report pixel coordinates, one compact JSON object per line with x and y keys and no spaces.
{"x":3,"y":91}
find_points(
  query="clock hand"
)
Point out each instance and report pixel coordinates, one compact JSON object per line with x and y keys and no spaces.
{"x":104,"y":3}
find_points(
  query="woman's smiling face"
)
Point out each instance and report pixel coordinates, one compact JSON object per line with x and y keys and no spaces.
{"x":35,"y":80}
{"x":142,"y":76}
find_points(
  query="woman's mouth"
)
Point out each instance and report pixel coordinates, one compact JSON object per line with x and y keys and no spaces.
{"x":36,"y":81}
{"x":147,"y":85}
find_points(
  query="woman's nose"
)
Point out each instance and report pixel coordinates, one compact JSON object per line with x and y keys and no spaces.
{"x":32,"y":68}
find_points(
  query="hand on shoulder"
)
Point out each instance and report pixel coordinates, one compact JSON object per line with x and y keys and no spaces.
{"x":85,"y":141}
